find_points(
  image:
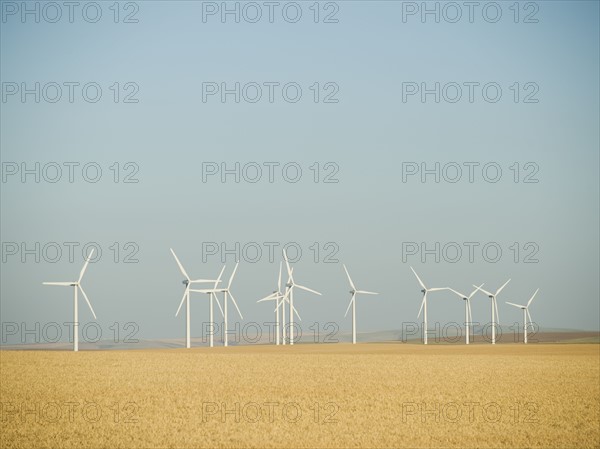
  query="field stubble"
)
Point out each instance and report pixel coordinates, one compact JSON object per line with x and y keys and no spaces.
{"x":313,"y":396}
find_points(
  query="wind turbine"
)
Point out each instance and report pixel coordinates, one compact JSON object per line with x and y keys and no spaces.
{"x":424,"y":303}
{"x":291,"y":284}
{"x":468,"y":314}
{"x":186,"y":297}
{"x":278,"y":296}
{"x":525,"y":314}
{"x":212,"y":296}
{"x":77,"y":285}
{"x":352,"y":303}
{"x":275,"y":296}
{"x":226,"y":293}
{"x":495,"y":316}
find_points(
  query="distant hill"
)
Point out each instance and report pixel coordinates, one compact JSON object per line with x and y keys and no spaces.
{"x":508,"y":336}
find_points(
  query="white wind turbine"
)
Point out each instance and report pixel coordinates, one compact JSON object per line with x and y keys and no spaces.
{"x":495,"y":315}
{"x":77,"y":285}
{"x":186,"y":297}
{"x":352,"y":303}
{"x":291,"y":285}
{"x":212,"y":296}
{"x":424,"y":303}
{"x":525,"y":314}
{"x":226,"y":293}
{"x":278,"y":296}
{"x":468,"y":314}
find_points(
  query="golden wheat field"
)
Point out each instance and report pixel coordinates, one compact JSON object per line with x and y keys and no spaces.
{"x":309,"y":396}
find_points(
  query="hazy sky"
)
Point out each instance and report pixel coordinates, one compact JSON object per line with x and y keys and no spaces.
{"x":369,"y":218}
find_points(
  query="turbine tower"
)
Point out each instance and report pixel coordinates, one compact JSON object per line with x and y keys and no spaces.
{"x":278,"y":296}
{"x":423,"y":308}
{"x":226,"y":294}
{"x":468,"y":314}
{"x":212,"y":296}
{"x":495,"y":316}
{"x":186,"y":297}
{"x":290,"y":294}
{"x":525,"y":314}
{"x":77,"y":286}
{"x":352,"y":303}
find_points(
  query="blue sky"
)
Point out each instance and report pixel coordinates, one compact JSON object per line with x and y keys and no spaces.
{"x":368,"y":134}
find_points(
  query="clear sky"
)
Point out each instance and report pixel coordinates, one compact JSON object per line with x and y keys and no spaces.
{"x":373,"y":58}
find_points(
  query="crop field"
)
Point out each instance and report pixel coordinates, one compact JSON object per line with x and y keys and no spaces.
{"x":309,"y":396}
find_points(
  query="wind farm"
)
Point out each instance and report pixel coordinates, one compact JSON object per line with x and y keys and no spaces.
{"x":285,"y":326}
{"x":416,"y":391}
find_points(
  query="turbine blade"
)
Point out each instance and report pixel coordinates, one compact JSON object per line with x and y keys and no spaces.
{"x":297,"y":314}
{"x":185,"y":292}
{"x":501,"y":288}
{"x":530,"y":320}
{"x":307,"y":289}
{"x":484,"y":291}
{"x":236,"y":306}
{"x":475,"y":291}
{"x":418,"y":278}
{"x":515,"y":305}
{"x":87,"y":300}
{"x":87,"y":261}
{"x":279,"y":279}
{"x":349,"y":279}
{"x":64,"y":284}
{"x":496,"y":307}
{"x":218,"y":303}
{"x":349,"y":304}
{"x":268,"y":298}
{"x":287,"y":264}
{"x":179,"y":264}
{"x":470,"y":313}
{"x":280,"y":301}
{"x":365,"y":292}
{"x":457,"y":293}
{"x":220,"y":275}
{"x":232,"y":275}
{"x":437,"y":289}
{"x":530,"y":301}
{"x":422,"y":304}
